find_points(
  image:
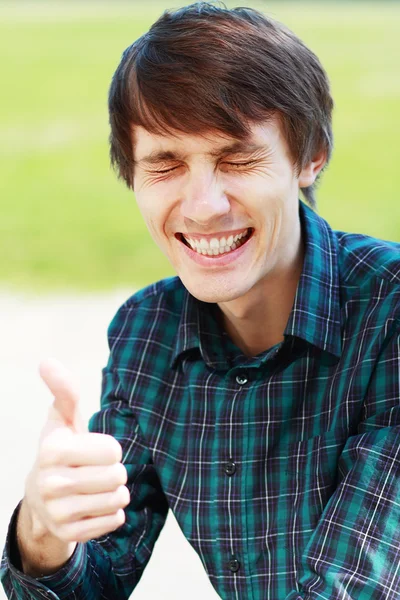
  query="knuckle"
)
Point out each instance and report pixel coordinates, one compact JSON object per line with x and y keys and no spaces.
{"x":116,"y":499}
{"x":78,"y":512}
{"x":42,"y":487}
{"x":114,"y":448}
{"x":55,"y":513}
{"x":80,"y":531}
{"x":121,"y":474}
{"x":62,"y":511}
{"x":53,"y":449}
{"x":63,"y":534}
{"x":45,"y":492}
{"x":64,"y":487}
{"x":125,"y":495}
{"x":111,"y":503}
{"x":114,"y":522}
{"x":67,"y":533}
{"x":53,"y":485}
{"x":47,"y":451}
{"x":64,"y":484}
{"x":83,"y":530}
{"x":100,"y":527}
{"x":70,"y":509}
{"x":119,"y":518}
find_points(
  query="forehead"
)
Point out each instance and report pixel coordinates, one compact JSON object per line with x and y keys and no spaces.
{"x":268,"y":134}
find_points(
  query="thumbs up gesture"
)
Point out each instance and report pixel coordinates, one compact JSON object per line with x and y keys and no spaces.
{"x":76,"y":490}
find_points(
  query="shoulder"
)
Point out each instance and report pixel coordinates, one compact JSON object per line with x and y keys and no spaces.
{"x":151,"y":314}
{"x":169,"y":291}
{"x":369,"y":268}
{"x":362,"y":257}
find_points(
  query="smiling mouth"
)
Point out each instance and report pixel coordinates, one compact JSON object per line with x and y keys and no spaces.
{"x":216,"y":246}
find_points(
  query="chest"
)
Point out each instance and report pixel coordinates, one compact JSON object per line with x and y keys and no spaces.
{"x":293,"y":397}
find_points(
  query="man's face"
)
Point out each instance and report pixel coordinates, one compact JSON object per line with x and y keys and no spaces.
{"x":225,"y":212}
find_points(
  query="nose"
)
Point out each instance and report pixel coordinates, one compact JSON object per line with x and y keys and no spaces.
{"x":203,"y":198}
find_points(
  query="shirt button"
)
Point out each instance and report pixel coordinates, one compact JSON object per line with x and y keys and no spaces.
{"x":230,"y":468}
{"x":241,"y":379}
{"x":234,"y":565}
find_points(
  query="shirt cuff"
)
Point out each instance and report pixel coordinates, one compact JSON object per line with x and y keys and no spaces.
{"x":60,"y":584}
{"x":65,"y":581}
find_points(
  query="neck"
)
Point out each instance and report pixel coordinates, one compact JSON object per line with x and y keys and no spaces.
{"x":256,"y":321}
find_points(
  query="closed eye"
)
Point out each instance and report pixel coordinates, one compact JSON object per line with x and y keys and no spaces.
{"x":231,"y":164}
{"x":240,"y":164}
{"x":165,"y":170}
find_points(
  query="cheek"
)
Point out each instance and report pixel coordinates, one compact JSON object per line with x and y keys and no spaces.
{"x":259,"y":186}
{"x":148,"y":210}
{"x":156,"y":213}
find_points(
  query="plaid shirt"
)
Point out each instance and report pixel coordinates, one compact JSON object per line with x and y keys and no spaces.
{"x":283,"y":470}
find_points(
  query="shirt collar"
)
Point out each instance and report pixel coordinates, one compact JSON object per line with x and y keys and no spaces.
{"x":315,"y":316}
{"x":199,"y":329}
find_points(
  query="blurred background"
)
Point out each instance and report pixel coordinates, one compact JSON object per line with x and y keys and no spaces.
{"x":72,"y":243}
{"x":66,"y":222}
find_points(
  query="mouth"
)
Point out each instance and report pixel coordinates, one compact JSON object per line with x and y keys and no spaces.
{"x":216,"y":246}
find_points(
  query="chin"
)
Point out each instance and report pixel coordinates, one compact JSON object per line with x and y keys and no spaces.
{"x":212,"y":293}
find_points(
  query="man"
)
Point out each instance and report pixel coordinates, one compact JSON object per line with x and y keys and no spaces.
{"x":257,"y":395}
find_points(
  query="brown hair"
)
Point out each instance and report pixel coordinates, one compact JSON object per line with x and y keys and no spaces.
{"x":206,"y":67}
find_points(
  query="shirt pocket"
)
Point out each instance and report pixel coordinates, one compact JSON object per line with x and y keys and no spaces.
{"x":309,"y":477}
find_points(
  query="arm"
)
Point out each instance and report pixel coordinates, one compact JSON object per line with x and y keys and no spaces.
{"x":130,"y":546}
{"x":111,"y":565}
{"x":354,"y":552}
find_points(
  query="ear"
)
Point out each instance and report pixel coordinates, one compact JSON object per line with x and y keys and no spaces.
{"x":309,"y":173}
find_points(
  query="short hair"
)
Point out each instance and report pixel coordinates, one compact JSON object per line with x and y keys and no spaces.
{"x":205,"y":67}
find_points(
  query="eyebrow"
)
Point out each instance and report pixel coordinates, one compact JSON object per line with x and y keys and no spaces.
{"x":238,"y":147}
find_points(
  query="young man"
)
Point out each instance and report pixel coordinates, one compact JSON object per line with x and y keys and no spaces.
{"x":256,"y":394}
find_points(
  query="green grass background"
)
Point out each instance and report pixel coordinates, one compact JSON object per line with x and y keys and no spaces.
{"x":66,"y":222}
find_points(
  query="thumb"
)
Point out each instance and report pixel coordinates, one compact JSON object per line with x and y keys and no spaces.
{"x":66,"y":398}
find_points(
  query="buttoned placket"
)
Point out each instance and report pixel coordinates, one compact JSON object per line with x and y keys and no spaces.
{"x":231,"y":470}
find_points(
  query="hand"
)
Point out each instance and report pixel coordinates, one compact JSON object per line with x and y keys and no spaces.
{"x":76,"y":489}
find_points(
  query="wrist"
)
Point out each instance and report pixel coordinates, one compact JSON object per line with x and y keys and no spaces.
{"x":29,"y":525}
{"x":41,"y":552}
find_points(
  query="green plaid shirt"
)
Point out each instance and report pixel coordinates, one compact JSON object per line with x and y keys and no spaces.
{"x":283,"y":470}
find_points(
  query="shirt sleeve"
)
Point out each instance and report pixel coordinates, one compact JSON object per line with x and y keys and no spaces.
{"x":111,"y":566}
{"x":354,"y":552}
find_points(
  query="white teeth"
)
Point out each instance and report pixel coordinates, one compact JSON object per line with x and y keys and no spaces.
{"x":214,"y":243}
{"x":216,"y":246}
